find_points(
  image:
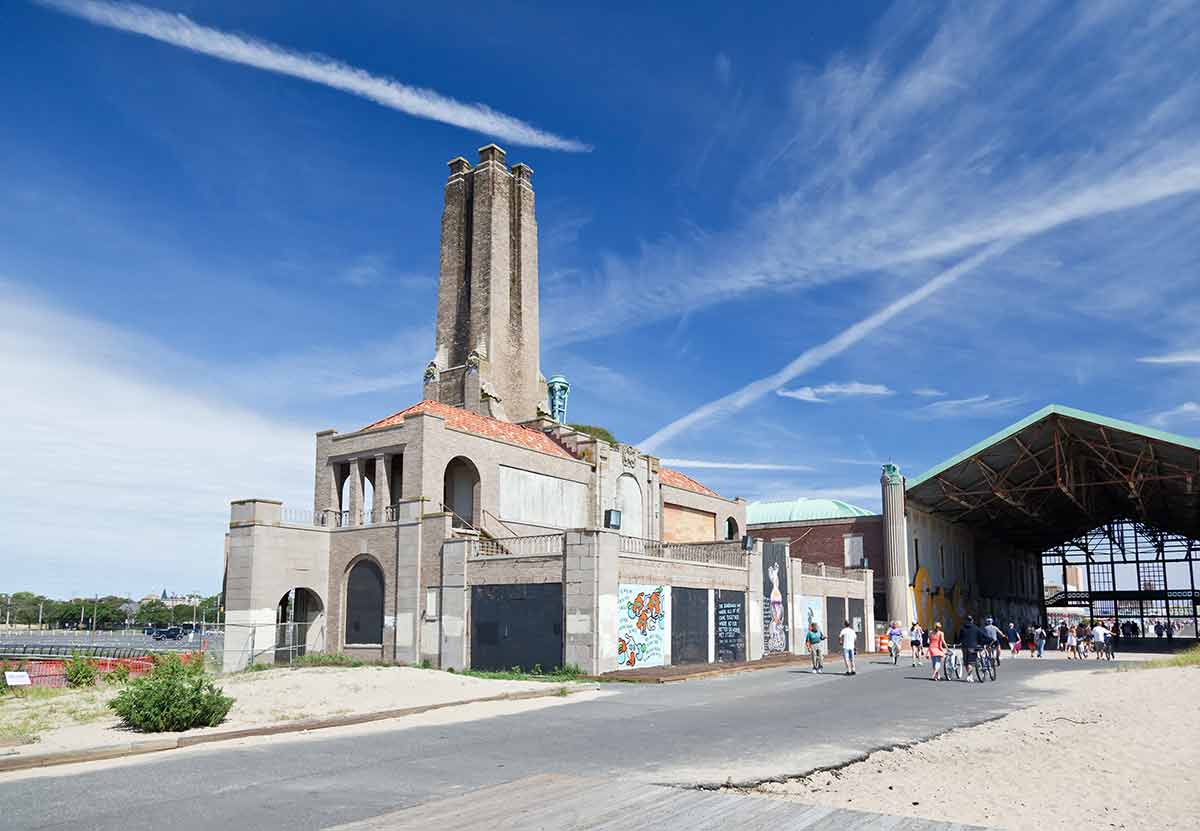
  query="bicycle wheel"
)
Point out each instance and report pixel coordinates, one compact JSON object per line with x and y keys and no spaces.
{"x":979,"y":674}
{"x":991,"y":669}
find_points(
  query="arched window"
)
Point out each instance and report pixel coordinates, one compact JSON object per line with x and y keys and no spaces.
{"x":364,"y":604}
{"x":461,"y":492}
{"x":629,"y":503}
{"x":731,"y":529}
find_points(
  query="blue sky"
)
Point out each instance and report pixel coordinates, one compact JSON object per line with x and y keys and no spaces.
{"x":802,"y":241}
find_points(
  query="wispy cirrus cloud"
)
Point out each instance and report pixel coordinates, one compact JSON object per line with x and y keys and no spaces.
{"x":719,"y":465}
{"x":1186,"y":357}
{"x":1186,"y":413}
{"x":178,"y":30}
{"x":827,"y":392}
{"x":975,"y":406}
{"x":928,"y":392}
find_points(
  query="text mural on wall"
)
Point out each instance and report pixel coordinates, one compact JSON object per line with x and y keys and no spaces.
{"x":731,"y":625}
{"x":775,"y":589}
{"x":643,"y":625}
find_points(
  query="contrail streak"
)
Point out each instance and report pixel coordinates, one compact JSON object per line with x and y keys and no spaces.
{"x":180,"y":31}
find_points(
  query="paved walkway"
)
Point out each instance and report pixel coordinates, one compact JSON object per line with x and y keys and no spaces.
{"x":565,"y":803}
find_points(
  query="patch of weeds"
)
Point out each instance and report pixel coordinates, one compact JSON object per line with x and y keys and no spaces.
{"x":425,"y":664}
{"x":327,"y":659}
{"x":118,"y":675}
{"x":80,"y":672}
{"x":259,"y":667}
{"x":570,"y":672}
{"x":1187,"y":658}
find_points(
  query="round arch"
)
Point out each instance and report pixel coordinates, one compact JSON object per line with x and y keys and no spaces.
{"x":629,"y":503}
{"x":732,"y":532}
{"x":461,"y":492}
{"x":364,"y":593}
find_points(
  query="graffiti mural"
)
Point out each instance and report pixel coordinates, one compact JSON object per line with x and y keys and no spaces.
{"x":775,"y":589}
{"x":643,"y":625}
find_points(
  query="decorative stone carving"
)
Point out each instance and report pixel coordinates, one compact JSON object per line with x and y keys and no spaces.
{"x":891,"y":474}
{"x":431,"y":372}
{"x":629,"y":456}
{"x":558,"y":388}
{"x":473,"y":361}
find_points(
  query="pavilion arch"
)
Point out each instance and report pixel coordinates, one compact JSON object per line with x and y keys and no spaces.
{"x":461,"y":492}
{"x":300,"y":624}
{"x":732,"y":532}
{"x":631,"y":506}
{"x":364,"y":593}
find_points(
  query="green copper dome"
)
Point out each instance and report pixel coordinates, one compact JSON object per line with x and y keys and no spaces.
{"x":802,"y":510}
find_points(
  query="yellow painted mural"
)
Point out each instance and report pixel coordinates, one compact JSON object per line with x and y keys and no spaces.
{"x":928,"y":605}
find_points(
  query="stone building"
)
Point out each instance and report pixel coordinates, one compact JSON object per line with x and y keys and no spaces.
{"x":472,"y":528}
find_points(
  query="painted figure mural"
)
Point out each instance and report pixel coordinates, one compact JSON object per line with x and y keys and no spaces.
{"x":775,"y":613}
{"x":643,"y":625}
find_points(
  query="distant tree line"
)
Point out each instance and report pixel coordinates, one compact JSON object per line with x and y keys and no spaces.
{"x":109,"y":612}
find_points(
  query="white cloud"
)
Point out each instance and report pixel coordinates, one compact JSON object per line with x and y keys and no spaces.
{"x":1186,"y":413}
{"x":979,"y":405}
{"x":928,"y":392}
{"x":1188,"y":357}
{"x":826,"y":392}
{"x":119,"y":479}
{"x":847,"y":493}
{"x":180,"y":31}
{"x":704,"y":463}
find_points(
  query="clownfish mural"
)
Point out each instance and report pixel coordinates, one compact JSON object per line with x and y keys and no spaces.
{"x":643,"y":625}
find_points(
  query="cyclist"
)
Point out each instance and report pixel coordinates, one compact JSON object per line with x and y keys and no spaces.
{"x":994,"y":636}
{"x":916,"y":638}
{"x":1100,"y":634}
{"x":895,"y":635}
{"x":971,"y":638}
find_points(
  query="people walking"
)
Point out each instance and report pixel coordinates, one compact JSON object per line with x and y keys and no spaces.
{"x":1099,"y":635}
{"x":1072,"y":644}
{"x":847,"y":637}
{"x":1014,"y":639}
{"x":937,"y":650}
{"x":813,"y":637}
{"x":915,"y":641}
{"x":971,"y":638}
{"x":1039,"y":640}
{"x":1062,"y":637}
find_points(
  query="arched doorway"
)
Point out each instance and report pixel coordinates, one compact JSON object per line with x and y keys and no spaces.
{"x":300,"y":624}
{"x":731,"y":529}
{"x":461,"y":492}
{"x":629,"y":503}
{"x":364,"y":604}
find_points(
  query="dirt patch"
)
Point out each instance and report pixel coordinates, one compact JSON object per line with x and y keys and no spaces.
{"x":1107,"y":750}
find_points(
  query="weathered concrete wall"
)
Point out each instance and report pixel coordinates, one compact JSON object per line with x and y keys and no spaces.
{"x":634,"y":569}
{"x":683,"y":524}
{"x":535,"y":499}
{"x":722,"y":510}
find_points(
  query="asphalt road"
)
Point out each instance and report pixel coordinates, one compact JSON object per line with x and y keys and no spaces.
{"x":740,"y":728}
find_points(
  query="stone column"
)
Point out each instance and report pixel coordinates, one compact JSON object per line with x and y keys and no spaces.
{"x":590,"y":600}
{"x":895,"y":545}
{"x":381,"y":497}
{"x":356,"y":492}
{"x":754,"y":603}
{"x":455,"y":605}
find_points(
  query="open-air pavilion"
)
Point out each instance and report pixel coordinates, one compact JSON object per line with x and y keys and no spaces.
{"x":1112,"y":507}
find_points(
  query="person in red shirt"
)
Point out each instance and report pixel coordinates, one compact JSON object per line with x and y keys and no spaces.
{"x":937,"y":649}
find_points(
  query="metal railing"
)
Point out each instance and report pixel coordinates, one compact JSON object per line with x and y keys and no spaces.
{"x":719,"y":552}
{"x":542,"y":545}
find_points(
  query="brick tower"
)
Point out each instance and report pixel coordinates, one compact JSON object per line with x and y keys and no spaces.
{"x":487,"y":350}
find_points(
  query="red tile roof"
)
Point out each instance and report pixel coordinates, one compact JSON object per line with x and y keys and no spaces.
{"x":682,"y":481}
{"x":479,"y":425}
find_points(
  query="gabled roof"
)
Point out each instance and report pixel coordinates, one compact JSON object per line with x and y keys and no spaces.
{"x":675,"y":479}
{"x":1062,"y":472}
{"x":480,"y":425}
{"x":802,"y":510}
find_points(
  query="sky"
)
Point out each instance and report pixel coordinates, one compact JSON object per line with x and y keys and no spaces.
{"x":778,"y":247}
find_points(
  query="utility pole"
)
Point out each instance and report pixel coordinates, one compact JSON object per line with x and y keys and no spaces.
{"x":41,"y":605}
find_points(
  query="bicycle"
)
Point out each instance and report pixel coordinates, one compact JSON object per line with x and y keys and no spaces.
{"x":894,"y":650}
{"x":985,"y":663}
{"x":951,"y":665}
{"x":1109,"y":655}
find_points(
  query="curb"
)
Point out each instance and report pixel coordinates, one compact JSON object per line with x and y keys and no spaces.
{"x":734,"y":669}
{"x":138,"y":748}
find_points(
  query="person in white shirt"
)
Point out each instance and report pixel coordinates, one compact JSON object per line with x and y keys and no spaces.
{"x":1099,"y":635}
{"x":847,"y":637}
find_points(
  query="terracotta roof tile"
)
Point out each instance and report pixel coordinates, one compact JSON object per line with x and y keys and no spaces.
{"x":479,"y":425}
{"x":682,"y":481}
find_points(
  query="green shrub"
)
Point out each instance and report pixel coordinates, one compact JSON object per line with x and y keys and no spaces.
{"x":119,"y":674}
{"x":327,"y":659}
{"x":80,"y":672}
{"x":174,"y":696}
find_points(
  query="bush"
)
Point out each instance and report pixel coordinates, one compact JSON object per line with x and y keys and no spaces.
{"x":327,"y":659}
{"x":80,"y":672}
{"x":174,"y":696}
{"x":119,"y":674}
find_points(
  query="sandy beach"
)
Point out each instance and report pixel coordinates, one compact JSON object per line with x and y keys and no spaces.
{"x":1108,"y":749}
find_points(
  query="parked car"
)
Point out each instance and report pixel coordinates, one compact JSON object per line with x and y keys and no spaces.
{"x":171,"y":633}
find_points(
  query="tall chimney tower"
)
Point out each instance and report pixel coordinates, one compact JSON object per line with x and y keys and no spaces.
{"x":487,"y":346}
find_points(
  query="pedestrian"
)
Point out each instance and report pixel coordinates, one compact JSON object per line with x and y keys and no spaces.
{"x":813,"y":638}
{"x":1170,"y":632}
{"x":971,"y":638}
{"x":1039,"y":640}
{"x":1062,"y":636}
{"x":1014,"y":639}
{"x":937,"y":649}
{"x":1158,"y":629}
{"x":847,"y":637}
{"x":1072,"y":644}
{"x":915,"y":638}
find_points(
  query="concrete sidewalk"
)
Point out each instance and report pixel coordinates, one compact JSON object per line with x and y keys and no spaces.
{"x":567,"y":803}
{"x":686,"y":672}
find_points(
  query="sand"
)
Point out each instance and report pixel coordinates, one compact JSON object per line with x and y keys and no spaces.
{"x":1107,"y":749}
{"x":79,"y":719}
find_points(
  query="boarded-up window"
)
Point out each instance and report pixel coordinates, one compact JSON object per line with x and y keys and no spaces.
{"x":852,"y":549}
{"x":537,"y":499}
{"x":682,"y":524}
